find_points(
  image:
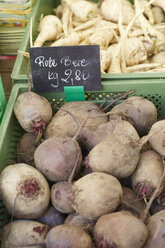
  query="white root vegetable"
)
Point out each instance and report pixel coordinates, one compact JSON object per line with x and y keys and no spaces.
{"x":147,"y":174}
{"x":159,"y":15}
{"x":134,"y":51}
{"x":72,"y":39}
{"x":110,"y":11}
{"x":87,"y":24}
{"x":96,"y":189}
{"x":26,"y":194}
{"x":148,"y":44}
{"x":23,"y":232}
{"x":159,"y":58}
{"x":66,"y":14}
{"x":84,"y":34}
{"x":135,"y":32}
{"x":143,"y":67}
{"x":102,"y":34}
{"x":115,"y":60}
{"x":58,"y":11}
{"x":148,"y":28}
{"x":84,"y":9}
{"x":144,"y":25}
{"x":159,"y":3}
{"x":101,"y":37}
{"x":49,"y":28}
{"x":106,"y":57}
{"x":147,"y":10}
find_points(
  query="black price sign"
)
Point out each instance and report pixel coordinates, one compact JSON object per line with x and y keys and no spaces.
{"x":56,"y":67}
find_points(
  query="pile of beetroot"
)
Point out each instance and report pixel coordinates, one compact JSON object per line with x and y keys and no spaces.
{"x":85,"y":178}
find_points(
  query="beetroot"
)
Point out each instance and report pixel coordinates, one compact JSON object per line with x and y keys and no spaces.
{"x":118,"y":127}
{"x":117,"y":154}
{"x":157,"y":140}
{"x":24,"y":191}
{"x":59,"y":197}
{"x":52,"y":217}
{"x":96,"y":194}
{"x":26,"y":147}
{"x":63,"y":236}
{"x":120,"y":229}
{"x":33,"y":112}
{"x":147,"y":174}
{"x":81,"y":110}
{"x":79,"y":220}
{"x":56,"y":158}
{"x":23,"y":232}
{"x":130,"y":202}
{"x":156,"y":227}
{"x":140,"y":111}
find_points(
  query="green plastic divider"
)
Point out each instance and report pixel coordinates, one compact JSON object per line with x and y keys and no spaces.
{"x":46,"y":7}
{"x":74,"y":93}
{"x":2,"y":100}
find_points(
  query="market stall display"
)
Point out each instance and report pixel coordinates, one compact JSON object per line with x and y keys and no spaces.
{"x":90,"y":172}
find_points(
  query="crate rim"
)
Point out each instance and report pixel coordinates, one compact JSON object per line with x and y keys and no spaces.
{"x":8,"y":112}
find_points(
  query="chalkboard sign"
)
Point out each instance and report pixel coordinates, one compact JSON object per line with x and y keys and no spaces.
{"x":56,"y":67}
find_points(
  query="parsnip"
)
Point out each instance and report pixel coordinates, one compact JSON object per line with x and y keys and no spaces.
{"x":101,"y":37}
{"x":147,"y":11}
{"x":110,"y":11}
{"x":134,"y":51}
{"x":123,"y":38}
{"x":160,"y":27}
{"x":158,"y":14}
{"x":106,"y":57}
{"x":148,"y":28}
{"x":58,"y":11}
{"x":143,"y":67}
{"x":159,"y":58}
{"x":49,"y":28}
{"x":160,"y":3}
{"x":135,"y":32}
{"x":66,"y":14}
{"x":148,"y":43}
{"x":72,"y":39}
{"x":84,"y":9}
{"x":115,"y":61}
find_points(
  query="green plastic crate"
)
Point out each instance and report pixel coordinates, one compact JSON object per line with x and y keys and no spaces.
{"x":2,"y":101}
{"x":11,"y":131}
{"x":46,"y":7}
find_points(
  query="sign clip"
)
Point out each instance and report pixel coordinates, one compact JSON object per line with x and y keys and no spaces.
{"x":74,"y":93}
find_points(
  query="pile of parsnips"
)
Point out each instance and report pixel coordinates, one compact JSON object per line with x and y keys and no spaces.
{"x":131,"y":36}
